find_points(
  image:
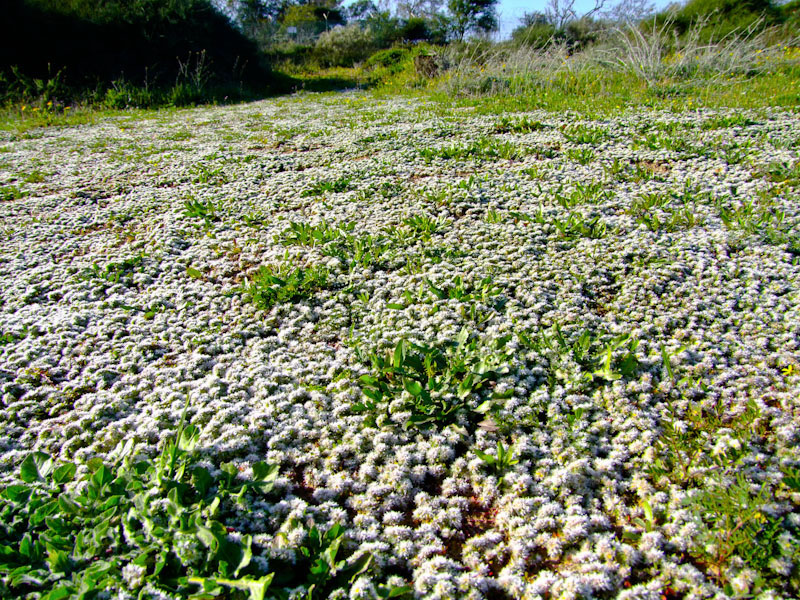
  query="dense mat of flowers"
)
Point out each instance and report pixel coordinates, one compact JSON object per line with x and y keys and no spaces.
{"x":632,"y":283}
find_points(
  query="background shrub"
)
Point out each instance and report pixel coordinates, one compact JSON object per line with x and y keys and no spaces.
{"x":344,"y":46}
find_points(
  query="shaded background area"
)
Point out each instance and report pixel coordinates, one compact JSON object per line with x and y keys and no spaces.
{"x":181,"y":47}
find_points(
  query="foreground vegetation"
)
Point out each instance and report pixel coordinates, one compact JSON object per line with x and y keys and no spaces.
{"x":464,"y":355}
{"x":518,"y":321}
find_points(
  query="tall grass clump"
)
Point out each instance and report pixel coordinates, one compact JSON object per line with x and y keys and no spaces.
{"x":659,"y":53}
{"x":628,"y":65}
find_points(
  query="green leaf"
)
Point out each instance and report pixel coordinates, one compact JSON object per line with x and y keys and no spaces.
{"x":194,"y":273}
{"x":60,"y":592}
{"x":465,"y":387}
{"x":412,"y":387}
{"x":17,"y":493}
{"x":101,"y":477}
{"x":399,"y":353}
{"x":395,"y":591}
{"x":375,"y":395}
{"x":64,"y":473}
{"x":265,"y":475}
{"x":247,"y":554}
{"x":487,"y":458}
{"x":202,"y":480}
{"x":395,"y":306}
{"x":35,"y":467}
{"x":58,"y":560}
{"x":484,"y":407}
{"x":26,"y":546}
{"x":369,"y":380}
{"x":189,"y":438}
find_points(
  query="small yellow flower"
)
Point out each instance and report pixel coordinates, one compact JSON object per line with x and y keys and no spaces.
{"x":66,"y":108}
{"x":24,"y":108}
{"x":50,"y":104}
{"x":788,"y":370}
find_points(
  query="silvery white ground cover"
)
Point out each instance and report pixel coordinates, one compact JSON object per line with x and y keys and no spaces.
{"x":118,"y":307}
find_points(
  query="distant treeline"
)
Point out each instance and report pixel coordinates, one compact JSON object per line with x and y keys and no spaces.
{"x":149,"y":44}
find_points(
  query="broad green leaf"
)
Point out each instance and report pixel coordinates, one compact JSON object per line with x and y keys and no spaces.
{"x":265,"y":474}
{"x":399,"y":353}
{"x":101,"y":477}
{"x":247,"y":554}
{"x":35,"y":467}
{"x":465,"y":388}
{"x":189,"y":438}
{"x":60,"y":592}
{"x":202,"y":480}
{"x":17,"y":493}
{"x":194,"y":273}
{"x":369,"y":380}
{"x":395,"y":591}
{"x":487,"y":458}
{"x":395,"y":306}
{"x":484,"y":407}
{"x":412,"y":387}
{"x":375,"y":395}
{"x":58,"y":560}
{"x":26,"y":546}
{"x":64,"y":473}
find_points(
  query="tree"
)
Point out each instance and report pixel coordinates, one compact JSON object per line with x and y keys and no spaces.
{"x":361,"y":10}
{"x":472,"y":16}
{"x":560,"y":12}
{"x":630,"y":11}
{"x":418,"y":9}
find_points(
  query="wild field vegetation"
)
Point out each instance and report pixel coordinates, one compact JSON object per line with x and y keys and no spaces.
{"x":520,"y":321}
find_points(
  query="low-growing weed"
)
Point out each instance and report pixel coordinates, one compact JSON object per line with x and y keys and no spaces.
{"x":675,"y":220}
{"x":255,"y":219}
{"x":107,"y":534}
{"x":582,"y":359}
{"x":494,"y":216}
{"x":583,"y":193}
{"x":11,"y":192}
{"x":481,"y":291}
{"x":35,"y":176}
{"x":305,"y":234}
{"x":202,"y":173}
{"x":577,"y":226}
{"x":359,"y":250}
{"x":523,"y":125}
{"x":582,"y":156}
{"x":725,"y":121}
{"x":582,"y":134}
{"x":270,"y":286}
{"x":482,"y":148}
{"x":646,"y":202}
{"x":656,"y":141}
{"x":423,"y":225}
{"x":500,"y":462}
{"x":435,"y":384}
{"x":736,"y":522}
{"x":114,"y":272}
{"x":783,"y":172}
{"x":321,"y":187}
{"x":197,"y":209}
{"x":521,"y":217}
{"x":752,"y":218}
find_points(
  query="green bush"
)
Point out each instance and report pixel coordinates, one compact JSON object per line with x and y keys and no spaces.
{"x":344,"y":46}
{"x":392,"y":59}
{"x":538,"y":35}
{"x":721,"y":18}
